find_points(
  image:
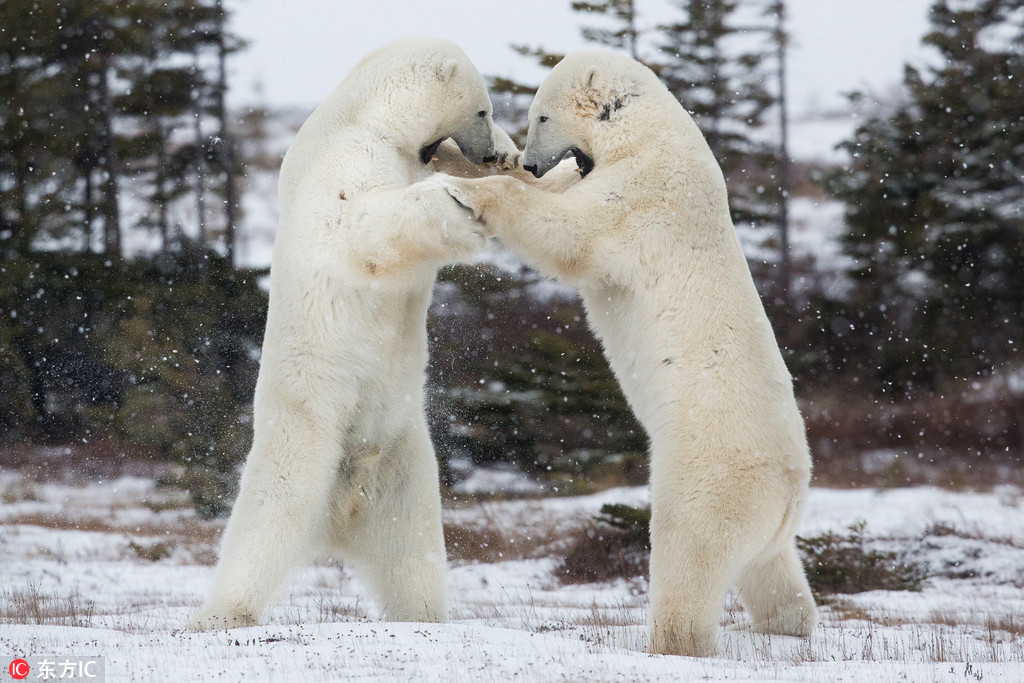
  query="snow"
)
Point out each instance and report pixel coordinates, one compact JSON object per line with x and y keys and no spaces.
{"x":484,"y":479}
{"x":510,"y":620}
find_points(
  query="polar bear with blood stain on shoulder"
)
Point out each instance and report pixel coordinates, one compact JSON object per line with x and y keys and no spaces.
{"x":647,"y":236}
{"x":341,"y":461}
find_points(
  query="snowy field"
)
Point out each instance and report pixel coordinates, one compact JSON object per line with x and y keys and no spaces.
{"x":113,"y":569}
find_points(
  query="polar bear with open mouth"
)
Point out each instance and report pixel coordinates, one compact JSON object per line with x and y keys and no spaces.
{"x":647,"y":237}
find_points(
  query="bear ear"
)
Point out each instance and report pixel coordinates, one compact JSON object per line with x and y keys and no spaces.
{"x":447,"y":69}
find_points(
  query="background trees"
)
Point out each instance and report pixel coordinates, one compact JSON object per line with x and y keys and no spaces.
{"x":935,"y":208}
{"x":113,"y":130}
{"x":107,"y":102}
{"x":127,"y":325}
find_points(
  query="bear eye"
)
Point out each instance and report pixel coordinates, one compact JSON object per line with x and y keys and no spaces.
{"x":542,"y":119}
{"x":481,"y":113}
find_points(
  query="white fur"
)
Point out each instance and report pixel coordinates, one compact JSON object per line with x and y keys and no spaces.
{"x":648,"y":238}
{"x":341,"y":461}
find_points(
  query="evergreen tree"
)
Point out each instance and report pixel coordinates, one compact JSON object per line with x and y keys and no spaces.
{"x":39,"y":130}
{"x":935,"y":207}
{"x":710,"y":65}
{"x":623,"y":35}
{"x":619,"y":32}
{"x":93,"y":94}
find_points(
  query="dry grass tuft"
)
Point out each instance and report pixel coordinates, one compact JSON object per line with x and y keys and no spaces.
{"x":1010,"y":623}
{"x":489,"y":543}
{"x":193,"y":531}
{"x":842,"y":609}
{"x":30,"y":606}
{"x":965,"y":440}
{"x":940,"y":529}
{"x":199,"y":538}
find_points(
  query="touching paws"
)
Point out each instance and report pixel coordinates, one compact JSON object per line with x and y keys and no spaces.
{"x":480,"y":195}
{"x":507,"y":156}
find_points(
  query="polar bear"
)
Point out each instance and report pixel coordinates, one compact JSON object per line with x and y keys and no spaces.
{"x":341,"y":460}
{"x":647,"y":237}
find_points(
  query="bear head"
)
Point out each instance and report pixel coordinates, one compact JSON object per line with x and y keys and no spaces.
{"x":431,"y":92}
{"x":580,"y":107}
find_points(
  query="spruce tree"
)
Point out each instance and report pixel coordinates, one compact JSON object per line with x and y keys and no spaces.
{"x":935,"y":208}
{"x":43,"y":139}
{"x":708,"y":63}
{"x":93,"y":93}
{"x":618,"y":32}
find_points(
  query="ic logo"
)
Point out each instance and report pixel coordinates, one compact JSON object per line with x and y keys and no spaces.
{"x":18,"y":669}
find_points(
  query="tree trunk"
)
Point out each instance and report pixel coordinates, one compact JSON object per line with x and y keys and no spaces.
{"x":161,"y":184}
{"x":21,"y":227}
{"x":108,"y":162}
{"x":88,"y":206}
{"x":227,"y":158}
{"x":200,"y":185}
{"x":784,"y":264}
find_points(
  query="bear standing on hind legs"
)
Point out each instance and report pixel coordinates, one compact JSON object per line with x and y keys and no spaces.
{"x":341,"y":461}
{"x":647,"y":237}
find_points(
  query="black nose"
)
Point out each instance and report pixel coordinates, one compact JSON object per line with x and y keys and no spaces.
{"x":532,"y":169}
{"x":491,"y":159}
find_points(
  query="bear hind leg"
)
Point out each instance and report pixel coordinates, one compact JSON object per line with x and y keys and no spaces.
{"x":691,"y":569}
{"x":395,"y":539}
{"x":283,"y":494}
{"x":775,"y":593}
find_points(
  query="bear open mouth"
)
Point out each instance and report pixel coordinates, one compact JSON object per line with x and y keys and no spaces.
{"x":585,"y":163}
{"x":427,"y":153}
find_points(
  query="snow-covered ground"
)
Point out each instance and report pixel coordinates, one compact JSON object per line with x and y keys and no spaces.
{"x":112,"y":569}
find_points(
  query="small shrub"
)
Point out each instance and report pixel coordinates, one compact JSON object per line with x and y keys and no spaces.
{"x":153,"y":552}
{"x":843,"y":564}
{"x":22,"y":490}
{"x":616,"y":545}
{"x":633,"y":520}
{"x":211,"y":491}
{"x":489,"y":542}
{"x":476,"y":544}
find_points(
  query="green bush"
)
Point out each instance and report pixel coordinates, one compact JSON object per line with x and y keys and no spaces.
{"x":844,"y":564}
{"x":618,"y":546}
{"x":159,"y":357}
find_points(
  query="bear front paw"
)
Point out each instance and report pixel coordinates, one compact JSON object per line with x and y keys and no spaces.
{"x":507,"y":155}
{"x":508,"y":161}
{"x":462,"y":198}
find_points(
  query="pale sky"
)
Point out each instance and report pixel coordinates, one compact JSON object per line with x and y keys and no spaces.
{"x":300,"y":49}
